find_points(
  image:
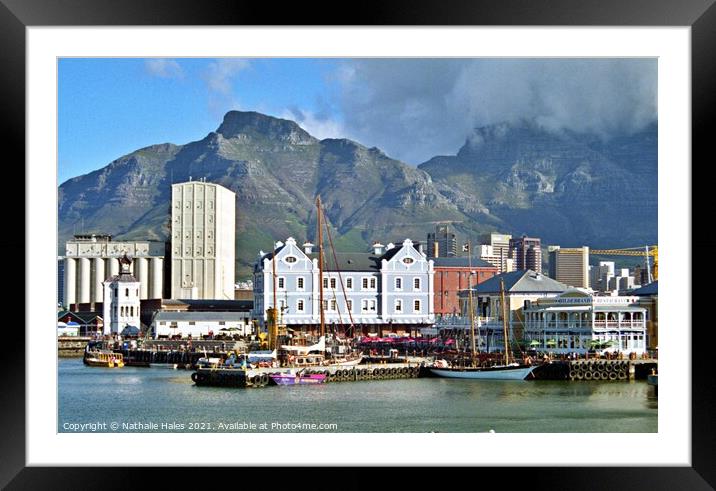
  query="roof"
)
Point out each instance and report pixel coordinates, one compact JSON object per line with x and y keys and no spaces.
{"x":164,"y":316}
{"x":646,"y":290}
{"x":461,"y":262}
{"x":215,"y":305}
{"x":122,"y":278}
{"x":85,"y":316}
{"x":351,"y":261}
{"x":522,"y":281}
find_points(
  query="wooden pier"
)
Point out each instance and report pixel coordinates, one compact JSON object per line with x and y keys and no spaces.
{"x":259,"y":377}
{"x":603,"y":370}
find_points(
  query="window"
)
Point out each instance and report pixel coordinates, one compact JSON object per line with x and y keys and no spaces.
{"x":372,"y":283}
{"x":334,"y":306}
{"x":299,"y":282}
{"x":299,"y":305}
{"x":290,"y":259}
{"x":222,"y":323}
{"x":408,"y":260}
{"x":333,"y":282}
{"x":365,"y":283}
{"x":371,"y":305}
{"x":281,"y":282}
{"x":192,"y":323}
{"x":349,"y":283}
{"x":282,"y":304}
{"x":399,"y":283}
{"x":349,"y":305}
{"x":398,"y":305}
{"x":126,"y":292}
{"x":416,"y":283}
{"x":416,"y":306}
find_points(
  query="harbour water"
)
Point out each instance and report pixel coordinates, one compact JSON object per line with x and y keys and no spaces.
{"x":133,"y":399}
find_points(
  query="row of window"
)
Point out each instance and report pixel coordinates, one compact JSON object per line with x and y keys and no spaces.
{"x":367,"y":305}
{"x":367,"y":283}
{"x":125,"y":311}
{"x":126,"y":292}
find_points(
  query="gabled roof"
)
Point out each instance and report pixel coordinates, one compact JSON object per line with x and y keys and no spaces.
{"x":84,"y":316}
{"x":522,"y":281}
{"x":647,"y":290}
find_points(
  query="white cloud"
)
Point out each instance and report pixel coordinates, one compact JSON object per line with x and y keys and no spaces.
{"x":317,"y":125}
{"x":414,"y":109}
{"x":219,"y":77}
{"x":160,"y":67}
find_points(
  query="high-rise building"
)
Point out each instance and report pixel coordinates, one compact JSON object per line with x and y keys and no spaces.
{"x":442,"y":242}
{"x":495,"y":249}
{"x":569,"y":266}
{"x":92,"y":258}
{"x":203,"y":241}
{"x":527,"y":253}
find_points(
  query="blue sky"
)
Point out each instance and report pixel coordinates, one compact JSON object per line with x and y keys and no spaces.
{"x":412,"y":109}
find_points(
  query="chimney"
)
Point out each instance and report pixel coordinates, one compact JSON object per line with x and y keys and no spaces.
{"x":378,"y":248}
{"x":308,"y":247}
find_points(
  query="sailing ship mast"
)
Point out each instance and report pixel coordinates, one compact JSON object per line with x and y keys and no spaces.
{"x":504,"y":321}
{"x":320,"y":265}
{"x":470,"y":305}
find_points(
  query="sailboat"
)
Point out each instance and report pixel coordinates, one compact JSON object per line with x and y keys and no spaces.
{"x":316,"y":355}
{"x":508,"y":370}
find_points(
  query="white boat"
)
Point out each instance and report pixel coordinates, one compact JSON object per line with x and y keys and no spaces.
{"x":164,"y":365}
{"x":497,"y":372}
{"x":505,"y":371}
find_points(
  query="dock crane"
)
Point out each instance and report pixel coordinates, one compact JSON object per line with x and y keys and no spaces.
{"x":647,"y":252}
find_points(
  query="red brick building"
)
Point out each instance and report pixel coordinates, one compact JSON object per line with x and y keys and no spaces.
{"x":452,"y":275}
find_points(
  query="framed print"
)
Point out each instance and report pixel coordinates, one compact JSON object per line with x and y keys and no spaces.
{"x":401,"y":105}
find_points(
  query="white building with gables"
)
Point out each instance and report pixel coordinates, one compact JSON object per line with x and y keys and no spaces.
{"x":389,"y":289}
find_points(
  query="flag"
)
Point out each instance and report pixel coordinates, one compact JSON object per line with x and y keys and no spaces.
{"x":465,"y":247}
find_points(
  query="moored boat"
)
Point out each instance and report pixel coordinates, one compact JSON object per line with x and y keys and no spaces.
{"x":103,"y":358}
{"x":298,"y":379}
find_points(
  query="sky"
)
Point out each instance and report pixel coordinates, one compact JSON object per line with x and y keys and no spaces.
{"x":412,"y":108}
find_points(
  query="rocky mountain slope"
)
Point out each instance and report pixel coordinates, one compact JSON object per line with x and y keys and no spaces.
{"x":568,"y":189}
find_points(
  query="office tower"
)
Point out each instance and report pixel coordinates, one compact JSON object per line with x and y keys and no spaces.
{"x":527,"y":253}
{"x":442,"y":242}
{"x":569,"y":266}
{"x":495,"y":249}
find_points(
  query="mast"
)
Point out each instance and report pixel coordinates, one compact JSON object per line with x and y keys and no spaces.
{"x":273,"y":312}
{"x":320,"y":265}
{"x":504,"y":321}
{"x":470,"y":304}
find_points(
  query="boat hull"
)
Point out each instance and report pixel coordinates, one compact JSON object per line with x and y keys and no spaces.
{"x":490,"y":373}
{"x":299,"y":380}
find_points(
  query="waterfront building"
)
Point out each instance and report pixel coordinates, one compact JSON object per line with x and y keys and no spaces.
{"x":203,"y":241}
{"x":521,"y":288}
{"x":569,"y":266}
{"x":441,"y":243}
{"x":527,"y":253}
{"x":89,"y":323}
{"x":121,"y":299}
{"x":577,"y":321}
{"x":452,"y":275}
{"x":649,"y":299}
{"x":388,"y":289}
{"x":169,"y":324}
{"x":90,"y":259}
{"x":495,"y":249}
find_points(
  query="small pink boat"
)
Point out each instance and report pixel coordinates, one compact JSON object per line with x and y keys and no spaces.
{"x":298,"y":379}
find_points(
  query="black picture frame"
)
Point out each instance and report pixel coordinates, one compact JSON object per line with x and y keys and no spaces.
{"x":700,"y":15}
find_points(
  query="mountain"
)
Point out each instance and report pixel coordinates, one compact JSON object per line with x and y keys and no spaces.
{"x":276,"y":170}
{"x":567,"y":188}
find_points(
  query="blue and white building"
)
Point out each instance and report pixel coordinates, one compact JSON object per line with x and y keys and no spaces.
{"x":387,"y":290}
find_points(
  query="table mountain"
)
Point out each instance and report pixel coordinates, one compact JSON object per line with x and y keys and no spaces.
{"x":567,"y":188}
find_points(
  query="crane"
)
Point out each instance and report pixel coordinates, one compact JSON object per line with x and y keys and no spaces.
{"x":647,"y":252}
